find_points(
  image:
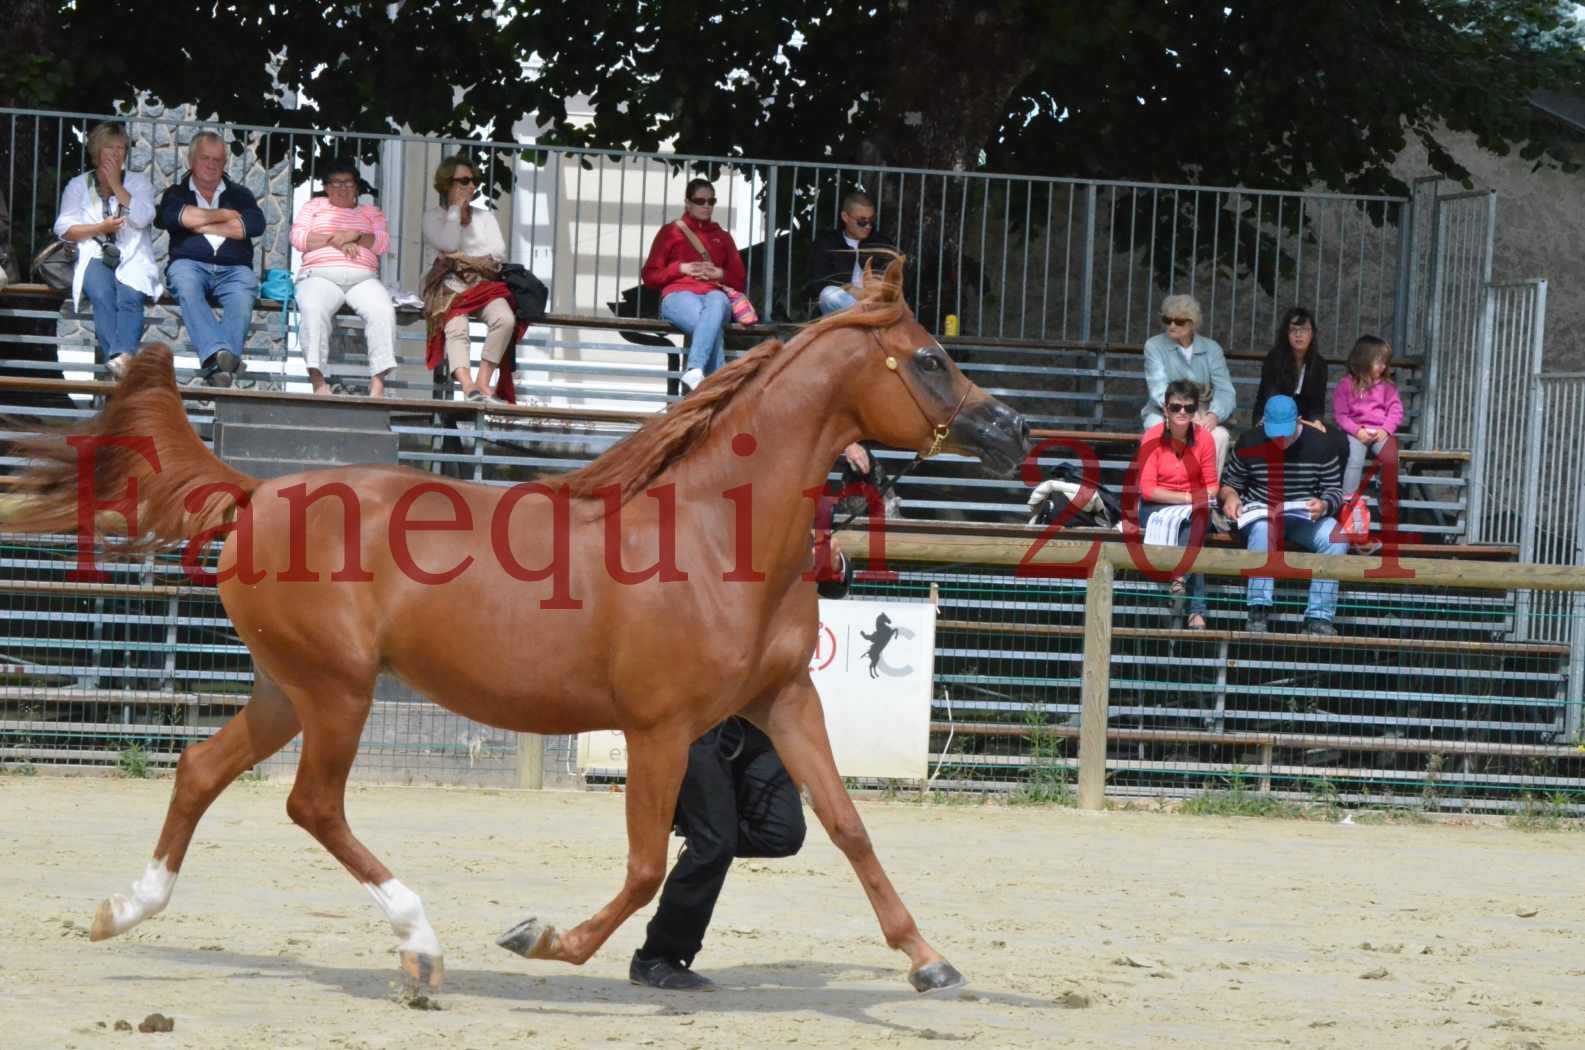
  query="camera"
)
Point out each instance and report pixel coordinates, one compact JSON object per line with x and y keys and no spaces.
{"x":110,"y":252}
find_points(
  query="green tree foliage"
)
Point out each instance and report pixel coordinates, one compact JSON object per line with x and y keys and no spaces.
{"x":1290,"y":93}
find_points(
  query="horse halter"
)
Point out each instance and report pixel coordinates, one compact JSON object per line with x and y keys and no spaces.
{"x":941,"y":430}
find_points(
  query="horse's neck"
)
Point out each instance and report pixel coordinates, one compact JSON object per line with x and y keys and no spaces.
{"x":800,"y":419}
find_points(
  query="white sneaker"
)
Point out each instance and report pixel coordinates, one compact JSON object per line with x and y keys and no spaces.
{"x":691,"y":379}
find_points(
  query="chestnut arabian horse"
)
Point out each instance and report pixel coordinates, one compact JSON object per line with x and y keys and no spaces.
{"x":332,"y":577}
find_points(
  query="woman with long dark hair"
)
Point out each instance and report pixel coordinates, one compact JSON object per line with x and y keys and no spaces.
{"x":1294,"y":366}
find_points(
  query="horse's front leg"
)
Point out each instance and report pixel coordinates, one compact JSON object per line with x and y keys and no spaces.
{"x":796,"y":723}
{"x":655,"y":765}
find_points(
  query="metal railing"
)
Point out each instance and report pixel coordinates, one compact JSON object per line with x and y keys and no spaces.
{"x":1013,"y":257}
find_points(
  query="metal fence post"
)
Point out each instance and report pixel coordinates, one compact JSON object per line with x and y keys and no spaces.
{"x":1097,"y":681}
{"x":1087,"y":281}
{"x":1479,"y":453}
{"x":1403,"y":298}
{"x":1574,"y":692}
{"x":1432,"y":351}
{"x":766,"y":303}
{"x":1532,"y":469}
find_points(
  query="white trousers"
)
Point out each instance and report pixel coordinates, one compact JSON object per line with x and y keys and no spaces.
{"x":321,"y":292}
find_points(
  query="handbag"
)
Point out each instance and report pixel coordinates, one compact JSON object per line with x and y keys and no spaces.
{"x":55,"y":265}
{"x":743,"y":311}
{"x":1353,"y":522}
{"x":279,"y":287}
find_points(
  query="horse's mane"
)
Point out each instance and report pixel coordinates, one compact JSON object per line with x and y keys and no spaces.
{"x":640,"y":458}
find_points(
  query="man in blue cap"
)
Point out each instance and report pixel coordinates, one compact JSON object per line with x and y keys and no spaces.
{"x":1282,"y":469}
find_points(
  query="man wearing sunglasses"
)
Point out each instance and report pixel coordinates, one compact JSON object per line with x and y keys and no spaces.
{"x":693,"y":261}
{"x":840,"y":253}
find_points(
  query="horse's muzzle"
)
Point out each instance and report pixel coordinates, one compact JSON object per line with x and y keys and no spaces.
{"x":994,"y":433}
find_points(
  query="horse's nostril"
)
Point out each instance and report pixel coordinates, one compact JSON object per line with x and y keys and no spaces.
{"x":1023,"y":430}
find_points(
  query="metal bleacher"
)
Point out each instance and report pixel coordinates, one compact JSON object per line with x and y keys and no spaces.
{"x":1420,"y":673}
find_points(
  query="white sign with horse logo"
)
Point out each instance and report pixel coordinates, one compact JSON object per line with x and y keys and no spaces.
{"x":874,"y":663}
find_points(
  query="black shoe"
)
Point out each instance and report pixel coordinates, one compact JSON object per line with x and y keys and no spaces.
{"x":1317,"y":626}
{"x":1256,"y":624}
{"x":668,"y":976}
{"x":223,"y":368}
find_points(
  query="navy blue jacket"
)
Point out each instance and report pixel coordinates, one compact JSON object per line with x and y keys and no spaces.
{"x":185,"y":244}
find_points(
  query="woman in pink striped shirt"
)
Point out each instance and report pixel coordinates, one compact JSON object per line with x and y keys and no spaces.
{"x":341,"y":241}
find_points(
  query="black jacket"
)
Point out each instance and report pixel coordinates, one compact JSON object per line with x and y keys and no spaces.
{"x":1311,"y":397}
{"x":831,"y":261}
{"x":185,"y":244}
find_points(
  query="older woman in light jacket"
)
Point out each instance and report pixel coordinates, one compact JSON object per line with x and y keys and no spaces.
{"x":1181,"y":352}
{"x":106,"y":211}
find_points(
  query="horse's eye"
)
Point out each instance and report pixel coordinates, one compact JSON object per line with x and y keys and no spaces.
{"x":929,"y":362}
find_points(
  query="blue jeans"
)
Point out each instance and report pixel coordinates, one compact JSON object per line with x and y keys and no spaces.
{"x":702,"y":317}
{"x":118,"y":311}
{"x":233,"y":287}
{"x":834,"y":297}
{"x":1306,"y":535}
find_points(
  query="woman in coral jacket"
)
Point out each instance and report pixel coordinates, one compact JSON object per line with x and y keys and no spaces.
{"x":692,"y":288}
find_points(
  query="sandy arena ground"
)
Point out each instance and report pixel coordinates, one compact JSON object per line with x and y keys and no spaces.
{"x":1114,"y":930}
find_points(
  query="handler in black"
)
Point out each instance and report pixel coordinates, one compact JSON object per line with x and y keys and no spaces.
{"x":736,"y":800}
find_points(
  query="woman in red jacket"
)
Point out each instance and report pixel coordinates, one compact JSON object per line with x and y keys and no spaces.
{"x":691,"y":285}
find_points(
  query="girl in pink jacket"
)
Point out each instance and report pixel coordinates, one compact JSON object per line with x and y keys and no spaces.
{"x":1366,"y":406}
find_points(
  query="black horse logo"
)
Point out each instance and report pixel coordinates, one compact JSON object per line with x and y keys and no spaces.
{"x":884,"y":633}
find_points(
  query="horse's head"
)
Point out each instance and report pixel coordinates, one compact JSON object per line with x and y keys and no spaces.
{"x":912,"y":395}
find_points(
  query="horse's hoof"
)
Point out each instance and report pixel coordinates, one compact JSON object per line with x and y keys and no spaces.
{"x":530,"y":938}
{"x":421,"y":972}
{"x":939,"y":976}
{"x":104,"y":926}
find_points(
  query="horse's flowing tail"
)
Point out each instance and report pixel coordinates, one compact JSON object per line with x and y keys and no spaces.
{"x":139,"y":444}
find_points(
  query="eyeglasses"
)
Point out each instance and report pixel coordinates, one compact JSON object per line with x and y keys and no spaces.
{"x":340,"y":184}
{"x":464,"y":180}
{"x":1182,"y":322}
{"x":702,"y":202}
{"x":864,"y":224}
{"x":1178,"y":407}
{"x":1299,"y":326}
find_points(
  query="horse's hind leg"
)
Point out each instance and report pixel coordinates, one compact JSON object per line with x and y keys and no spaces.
{"x":796,"y":724}
{"x":263,"y":726}
{"x":656,"y":764}
{"x":331,"y":728}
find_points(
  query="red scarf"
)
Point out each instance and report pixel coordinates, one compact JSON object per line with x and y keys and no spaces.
{"x":466,"y":302}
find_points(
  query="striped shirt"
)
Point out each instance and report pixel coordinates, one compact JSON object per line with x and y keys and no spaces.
{"x":320,"y":216}
{"x":1310,"y":468}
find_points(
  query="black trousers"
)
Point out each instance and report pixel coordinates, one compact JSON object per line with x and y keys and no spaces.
{"x":736,"y":800}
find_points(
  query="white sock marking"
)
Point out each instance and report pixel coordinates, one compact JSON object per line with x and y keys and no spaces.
{"x":150,"y":895}
{"x":406,"y":912}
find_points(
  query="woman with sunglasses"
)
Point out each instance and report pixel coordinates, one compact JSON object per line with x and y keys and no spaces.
{"x":691,"y":282}
{"x":341,"y":241}
{"x":1180,"y":352}
{"x":1177,"y":472}
{"x":466,"y":240}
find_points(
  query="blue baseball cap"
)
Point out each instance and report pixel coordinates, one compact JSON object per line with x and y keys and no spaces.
{"x":1282,"y":416}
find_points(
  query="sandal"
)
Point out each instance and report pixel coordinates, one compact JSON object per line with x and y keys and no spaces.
{"x":1177,"y":588}
{"x":1189,"y":624}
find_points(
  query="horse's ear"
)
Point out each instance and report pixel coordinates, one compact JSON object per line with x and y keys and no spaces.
{"x":892,"y":282}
